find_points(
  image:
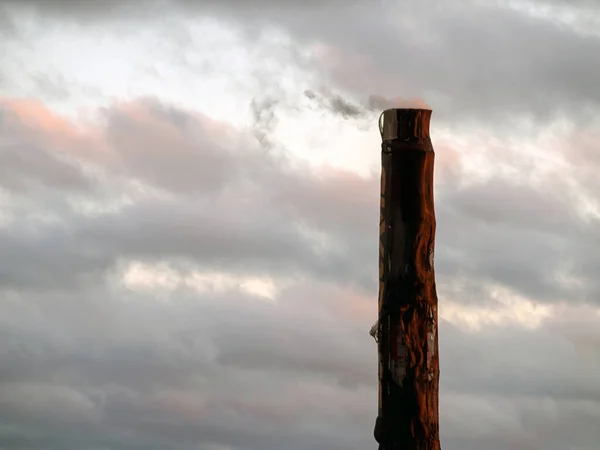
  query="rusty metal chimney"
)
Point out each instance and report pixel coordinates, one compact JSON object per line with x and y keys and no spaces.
{"x":406,"y":331}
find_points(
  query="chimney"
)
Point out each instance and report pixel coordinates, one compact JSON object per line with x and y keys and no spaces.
{"x":406,"y":331}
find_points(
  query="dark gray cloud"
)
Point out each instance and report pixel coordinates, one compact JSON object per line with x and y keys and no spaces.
{"x":179,"y":368}
{"x":206,"y":370}
{"x":335,"y":103}
{"x":7,"y":27}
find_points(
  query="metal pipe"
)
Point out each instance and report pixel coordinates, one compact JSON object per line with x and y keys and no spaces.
{"x":406,"y":331}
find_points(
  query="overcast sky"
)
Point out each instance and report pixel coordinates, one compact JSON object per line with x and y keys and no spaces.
{"x":189,"y":220}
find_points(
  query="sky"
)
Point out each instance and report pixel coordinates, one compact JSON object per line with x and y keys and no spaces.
{"x":189,"y":220}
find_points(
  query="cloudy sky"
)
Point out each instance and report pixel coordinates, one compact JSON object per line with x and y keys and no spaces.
{"x":189,"y":220}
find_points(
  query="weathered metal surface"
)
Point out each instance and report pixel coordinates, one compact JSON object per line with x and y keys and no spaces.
{"x":407,"y":334}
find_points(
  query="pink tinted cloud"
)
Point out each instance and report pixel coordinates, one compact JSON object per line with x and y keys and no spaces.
{"x":33,"y":121}
{"x":583,"y":148}
{"x":380,"y":102}
{"x":137,"y":139}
